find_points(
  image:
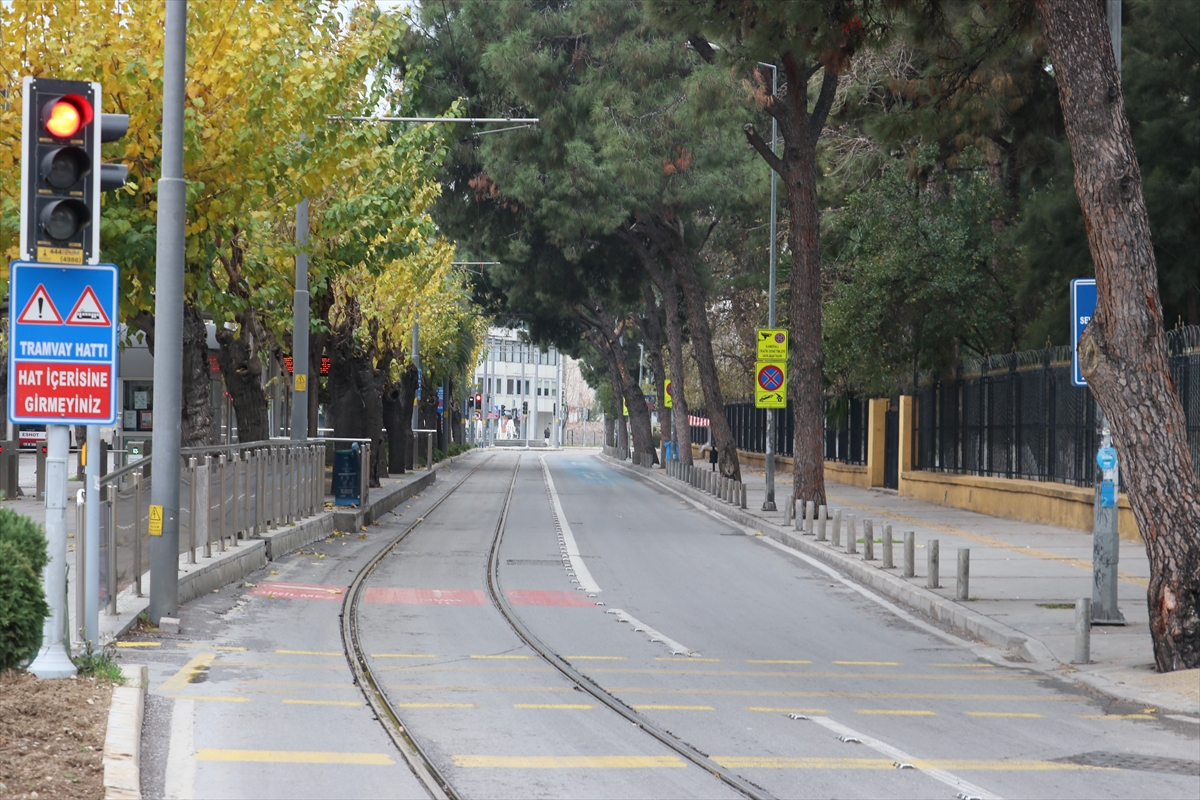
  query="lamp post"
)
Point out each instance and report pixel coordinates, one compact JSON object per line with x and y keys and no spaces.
{"x":769,"y":502}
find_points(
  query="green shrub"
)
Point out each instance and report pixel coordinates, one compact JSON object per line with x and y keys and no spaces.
{"x":25,"y":535}
{"x":22,"y":608}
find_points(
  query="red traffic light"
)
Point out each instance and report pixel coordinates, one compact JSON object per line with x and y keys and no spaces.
{"x":479,"y":401}
{"x":66,"y":115}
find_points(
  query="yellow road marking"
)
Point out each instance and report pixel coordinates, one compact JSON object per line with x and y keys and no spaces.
{"x":752,"y":762}
{"x":281,"y":665}
{"x":685,"y":658}
{"x":179,"y":681}
{"x":914,"y":676}
{"x":293,"y":757}
{"x":775,"y":661}
{"x":992,"y":541}
{"x":553,"y":705}
{"x":318,"y":684}
{"x":895,"y":712}
{"x":567,"y":762}
{"x":787,"y":710}
{"x":139,"y":644}
{"x":402,"y":655}
{"x":521,"y":658}
{"x":1116,"y":716}
{"x":596,"y":658}
{"x":295,"y":702}
{"x":868,"y":663}
{"x":434,"y":705}
{"x":1021,"y":714}
{"x":205,"y":646}
{"x":660,"y":707}
{"x":212,"y":698}
{"x":965,"y":666}
{"x":852,"y":695}
{"x":308,"y":653}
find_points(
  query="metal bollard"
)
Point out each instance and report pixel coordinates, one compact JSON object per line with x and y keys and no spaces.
{"x":1083,"y":631}
{"x":743,"y":504}
{"x":809,"y":512}
{"x":137,"y":531}
{"x":868,"y":540}
{"x":931,"y":576}
{"x":851,"y":535}
{"x":835,"y":538}
{"x":963,"y":587}
{"x":910,"y":554}
{"x":192,"y":478}
{"x":887,"y":547}
{"x":822,"y":513}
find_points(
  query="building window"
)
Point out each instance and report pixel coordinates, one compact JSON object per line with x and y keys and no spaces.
{"x":510,"y":386}
{"x":526,"y":387}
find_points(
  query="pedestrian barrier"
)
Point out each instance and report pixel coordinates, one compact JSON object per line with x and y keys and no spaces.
{"x":226,"y":494}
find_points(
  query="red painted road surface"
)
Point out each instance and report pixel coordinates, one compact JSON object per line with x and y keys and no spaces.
{"x":419,"y":597}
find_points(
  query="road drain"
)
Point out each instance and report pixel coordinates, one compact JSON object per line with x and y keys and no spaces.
{"x":1099,"y":758}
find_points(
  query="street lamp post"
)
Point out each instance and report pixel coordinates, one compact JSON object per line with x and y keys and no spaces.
{"x":769,"y":502}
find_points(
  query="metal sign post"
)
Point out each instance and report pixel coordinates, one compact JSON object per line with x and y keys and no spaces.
{"x":1106,"y":537}
{"x":62,"y":370}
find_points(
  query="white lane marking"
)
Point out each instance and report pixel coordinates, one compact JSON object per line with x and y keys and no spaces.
{"x":180,"y":783}
{"x":655,"y":636}
{"x":896,"y":754}
{"x":581,"y":571}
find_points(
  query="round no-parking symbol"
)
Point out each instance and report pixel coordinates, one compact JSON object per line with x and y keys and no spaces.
{"x":770,"y":378}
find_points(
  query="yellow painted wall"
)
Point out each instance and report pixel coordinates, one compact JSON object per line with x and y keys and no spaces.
{"x":876,"y":439}
{"x":1033,"y":501}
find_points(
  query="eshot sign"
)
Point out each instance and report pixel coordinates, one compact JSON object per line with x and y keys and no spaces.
{"x":1083,"y":306}
{"x":62,"y":355}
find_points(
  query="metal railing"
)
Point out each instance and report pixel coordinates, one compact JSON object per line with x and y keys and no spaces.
{"x":226,"y":494}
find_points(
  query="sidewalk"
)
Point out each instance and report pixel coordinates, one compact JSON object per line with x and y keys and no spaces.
{"x":1024,"y":579}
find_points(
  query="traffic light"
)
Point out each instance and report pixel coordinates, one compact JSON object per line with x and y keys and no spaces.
{"x":61,"y":173}
{"x":471,"y":402}
{"x":524,"y":408}
{"x":478,"y":400}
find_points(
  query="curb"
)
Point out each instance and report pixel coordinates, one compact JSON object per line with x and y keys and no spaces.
{"x":927,"y":602}
{"x":123,"y":737}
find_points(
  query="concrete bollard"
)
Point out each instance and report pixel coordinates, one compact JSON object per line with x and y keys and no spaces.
{"x":851,"y":535}
{"x":835,"y":537}
{"x":910,"y":554}
{"x":810,"y":510}
{"x":868,"y":540}
{"x":797,"y":514}
{"x":787,"y":513}
{"x":822,"y":512}
{"x":962,"y":589}
{"x":931,"y":576}
{"x":743,"y":495}
{"x":1083,"y":631}
{"x":887,"y":547}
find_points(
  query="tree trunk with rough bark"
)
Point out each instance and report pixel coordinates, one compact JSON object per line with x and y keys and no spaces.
{"x":651,"y":325}
{"x":241,"y":370}
{"x":679,"y":405}
{"x":635,"y":399}
{"x":1123,"y":352}
{"x":706,"y":364}
{"x":197,"y":417}
{"x":356,"y":410}
{"x":800,"y":130}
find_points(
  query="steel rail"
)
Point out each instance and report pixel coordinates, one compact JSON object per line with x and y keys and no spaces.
{"x":586,"y":684}
{"x":418,"y":761}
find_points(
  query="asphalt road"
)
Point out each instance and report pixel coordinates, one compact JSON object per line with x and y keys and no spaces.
{"x":767,"y":663}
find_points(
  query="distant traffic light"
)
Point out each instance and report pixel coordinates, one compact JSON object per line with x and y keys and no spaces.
{"x":61,"y":177}
{"x":524,"y":407}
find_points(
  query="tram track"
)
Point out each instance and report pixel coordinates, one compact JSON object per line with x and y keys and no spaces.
{"x":422,"y":765}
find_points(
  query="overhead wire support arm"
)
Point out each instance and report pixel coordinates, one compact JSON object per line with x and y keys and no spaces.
{"x":471,"y":120}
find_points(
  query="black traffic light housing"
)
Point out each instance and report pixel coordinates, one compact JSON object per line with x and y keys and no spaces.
{"x":61,"y":173}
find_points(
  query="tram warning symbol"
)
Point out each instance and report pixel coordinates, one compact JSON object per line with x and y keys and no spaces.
{"x":88,"y":311}
{"x":40,"y":309}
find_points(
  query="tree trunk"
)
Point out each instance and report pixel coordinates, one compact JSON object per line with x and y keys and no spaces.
{"x":679,"y":405}
{"x":196,"y":412}
{"x":357,"y":407}
{"x":242,"y":371}
{"x":651,"y":326}
{"x":706,"y":363}
{"x":1123,"y":352}
{"x":635,"y":399}
{"x":393,"y":420}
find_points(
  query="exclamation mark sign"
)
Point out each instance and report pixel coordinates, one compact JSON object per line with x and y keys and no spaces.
{"x":41,"y":303}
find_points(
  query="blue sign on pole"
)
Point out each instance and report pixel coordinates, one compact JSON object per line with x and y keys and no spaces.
{"x":1083,"y":306}
{"x":62,"y":354}
{"x":1106,"y":458}
{"x":441,"y":395}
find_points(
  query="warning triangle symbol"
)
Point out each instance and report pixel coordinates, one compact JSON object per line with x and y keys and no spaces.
{"x":40,"y":309}
{"x":88,"y":311}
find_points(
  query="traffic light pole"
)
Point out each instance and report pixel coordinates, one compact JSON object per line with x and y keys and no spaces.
{"x":53,"y":660}
{"x":168,"y":322}
{"x":300,"y":329}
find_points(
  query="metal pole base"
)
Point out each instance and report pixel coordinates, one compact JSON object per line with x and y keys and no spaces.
{"x":53,"y":662}
{"x":1097,"y":619}
{"x":769,"y":505}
